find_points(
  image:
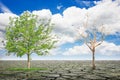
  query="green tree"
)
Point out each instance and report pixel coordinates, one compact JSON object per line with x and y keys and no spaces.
{"x":26,"y":35}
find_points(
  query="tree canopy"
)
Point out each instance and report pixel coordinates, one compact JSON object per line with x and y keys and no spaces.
{"x":26,"y":35}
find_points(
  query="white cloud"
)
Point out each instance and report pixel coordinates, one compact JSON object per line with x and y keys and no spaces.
{"x":104,"y":12}
{"x":1,"y":39}
{"x":117,"y":1}
{"x":59,"y":7}
{"x":105,"y":48}
{"x":64,"y":25}
{"x":55,"y":51}
{"x":4,"y":9}
{"x":77,"y":50}
{"x":44,"y":13}
{"x":4,"y":20}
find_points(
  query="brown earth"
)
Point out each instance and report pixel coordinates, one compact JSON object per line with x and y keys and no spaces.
{"x":61,"y":70}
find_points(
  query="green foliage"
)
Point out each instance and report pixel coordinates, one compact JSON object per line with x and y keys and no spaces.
{"x":26,"y":35}
{"x":26,"y":69}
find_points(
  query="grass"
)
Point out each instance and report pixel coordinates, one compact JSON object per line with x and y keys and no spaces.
{"x":26,"y":69}
{"x":3,"y":74}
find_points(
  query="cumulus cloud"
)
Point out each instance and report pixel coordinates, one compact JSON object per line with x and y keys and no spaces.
{"x":64,"y":25}
{"x":44,"y":13}
{"x":55,"y":51}
{"x":4,"y":20}
{"x":105,"y":49}
{"x":77,"y":50}
{"x":104,"y":13}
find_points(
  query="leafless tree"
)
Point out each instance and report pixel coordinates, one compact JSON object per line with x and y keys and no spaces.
{"x":94,"y":37}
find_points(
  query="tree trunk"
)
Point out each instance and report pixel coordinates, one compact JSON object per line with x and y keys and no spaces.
{"x":93,"y":60}
{"x":28,"y":61}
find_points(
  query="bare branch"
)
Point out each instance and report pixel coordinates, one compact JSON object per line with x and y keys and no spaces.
{"x":85,"y":24}
{"x":98,"y":44}
{"x":88,"y":46}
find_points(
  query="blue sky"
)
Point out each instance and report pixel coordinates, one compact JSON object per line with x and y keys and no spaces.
{"x":18,"y":7}
{"x":69,"y":13}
